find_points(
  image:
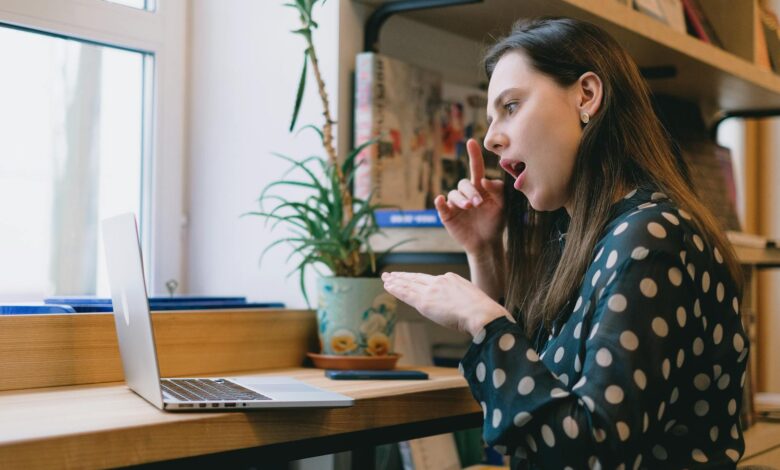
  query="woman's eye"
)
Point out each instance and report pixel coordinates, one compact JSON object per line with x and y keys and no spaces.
{"x":511,"y":107}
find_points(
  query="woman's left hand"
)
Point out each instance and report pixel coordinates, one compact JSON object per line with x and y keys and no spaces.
{"x":448,"y":299}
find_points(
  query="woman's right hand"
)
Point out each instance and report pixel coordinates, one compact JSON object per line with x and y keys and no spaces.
{"x":473,"y":214}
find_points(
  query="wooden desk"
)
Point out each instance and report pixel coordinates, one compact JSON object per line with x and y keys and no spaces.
{"x":109,"y":426}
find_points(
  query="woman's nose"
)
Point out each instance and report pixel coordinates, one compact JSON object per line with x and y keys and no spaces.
{"x":495,"y":141}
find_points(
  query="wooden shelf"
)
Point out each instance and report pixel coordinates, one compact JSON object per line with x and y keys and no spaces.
{"x":716,"y":79}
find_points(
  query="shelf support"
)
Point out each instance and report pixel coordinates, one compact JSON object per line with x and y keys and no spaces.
{"x":746,"y":114}
{"x":381,"y":14}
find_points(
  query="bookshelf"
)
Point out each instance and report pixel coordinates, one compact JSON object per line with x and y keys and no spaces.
{"x":718,"y":79}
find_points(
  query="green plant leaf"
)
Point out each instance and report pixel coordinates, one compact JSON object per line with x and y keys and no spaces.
{"x":313,"y":127}
{"x":301,"y":88}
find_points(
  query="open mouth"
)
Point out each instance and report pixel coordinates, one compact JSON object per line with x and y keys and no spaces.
{"x":513,"y":168}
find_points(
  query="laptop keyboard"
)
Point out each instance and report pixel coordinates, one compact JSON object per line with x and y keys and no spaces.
{"x":208,"y":390}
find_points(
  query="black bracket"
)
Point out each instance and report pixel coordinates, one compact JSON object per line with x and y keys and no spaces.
{"x":750,"y":113}
{"x":381,"y":14}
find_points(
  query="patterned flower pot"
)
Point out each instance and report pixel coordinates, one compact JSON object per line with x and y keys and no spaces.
{"x":355,"y":316}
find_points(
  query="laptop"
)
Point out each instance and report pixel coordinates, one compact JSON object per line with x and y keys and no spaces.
{"x":139,"y":355}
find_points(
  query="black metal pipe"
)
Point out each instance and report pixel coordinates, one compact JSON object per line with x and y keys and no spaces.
{"x":748,"y":114}
{"x":381,"y":14}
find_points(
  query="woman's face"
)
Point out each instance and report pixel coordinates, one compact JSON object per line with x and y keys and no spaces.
{"x":535,"y":128}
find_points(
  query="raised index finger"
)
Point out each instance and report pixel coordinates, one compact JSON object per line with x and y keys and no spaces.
{"x":476,"y":163}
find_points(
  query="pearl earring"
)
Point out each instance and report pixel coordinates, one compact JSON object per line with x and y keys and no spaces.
{"x":584,"y":117}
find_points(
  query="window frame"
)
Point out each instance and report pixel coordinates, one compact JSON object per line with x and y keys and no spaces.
{"x":163,"y":33}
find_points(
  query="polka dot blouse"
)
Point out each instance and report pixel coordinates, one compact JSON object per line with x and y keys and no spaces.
{"x":644,"y":370}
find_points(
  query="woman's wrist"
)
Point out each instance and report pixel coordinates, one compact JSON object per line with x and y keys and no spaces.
{"x":478,"y":322}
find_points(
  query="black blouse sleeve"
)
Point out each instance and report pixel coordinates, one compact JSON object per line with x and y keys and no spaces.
{"x":643,"y":373}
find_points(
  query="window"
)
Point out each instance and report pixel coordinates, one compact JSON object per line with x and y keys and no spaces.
{"x":91,"y":124}
{"x":71,"y":136}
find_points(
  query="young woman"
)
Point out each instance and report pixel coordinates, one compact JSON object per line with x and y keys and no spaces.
{"x":607,"y":331}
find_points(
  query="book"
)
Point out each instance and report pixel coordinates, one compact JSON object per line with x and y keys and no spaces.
{"x":769,"y":28}
{"x":408,"y":218}
{"x":669,"y":12}
{"x":396,"y":104}
{"x":698,"y":24}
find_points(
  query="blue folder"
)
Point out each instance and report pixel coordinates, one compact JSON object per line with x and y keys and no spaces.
{"x":103,"y":304}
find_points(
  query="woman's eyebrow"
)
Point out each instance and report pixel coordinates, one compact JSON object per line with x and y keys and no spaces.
{"x":499,"y":99}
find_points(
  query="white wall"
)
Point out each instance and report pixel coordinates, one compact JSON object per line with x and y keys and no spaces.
{"x":245,"y":66}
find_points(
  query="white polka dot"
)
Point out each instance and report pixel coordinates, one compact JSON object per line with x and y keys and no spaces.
{"x":742,"y":355}
{"x":598,"y":255}
{"x":660,"y":327}
{"x":659,"y":453}
{"x":637,"y":462}
{"x":720,"y":292}
{"x":742,"y":380}
{"x":701,"y":382}
{"x":617,"y":303}
{"x":480,"y":336}
{"x":578,"y":304}
{"x":732,"y":454}
{"x":496,"y":417}
{"x":481,"y":371}
{"x":531,"y":355}
{"x":629,"y":340}
{"x":698,"y":347}
{"x":716,"y":371}
{"x":675,"y":394}
{"x":717,"y":334}
{"x":735,"y":305}
{"x":661,"y":409}
{"x":657,"y":196}
{"x":580,"y":382}
{"x":595,"y":278}
{"x":684,"y":214}
{"x":559,"y":354}
{"x":499,"y":377}
{"x":577,"y":364}
{"x":506,"y":342}
{"x":525,"y":386}
{"x":739,"y":342}
{"x":570,"y":427}
{"x":718,"y":257}
{"x":620,"y":228}
{"x":614,"y":394}
{"x":646,"y":205}
{"x":681,"y":316}
{"x":704,"y":322}
{"x":682,"y":256}
{"x":698,"y":242}
{"x":594,"y":330}
{"x":723,"y":381}
{"x":612,"y":259}
{"x":732,"y":407}
{"x":611,"y":278}
{"x":701,"y":407}
{"x":691,"y":271}
{"x":657,"y":230}
{"x":531,"y":442}
{"x":577,"y":330}
{"x":599,"y":434}
{"x":648,"y":287}
{"x":734,"y":432}
{"x":714,"y":433}
{"x":548,"y":436}
{"x":666,"y":368}
{"x":630,"y":195}
{"x":564,"y":378}
{"x":589,"y":402}
{"x":558,"y":393}
{"x":699,"y":456}
{"x":623,"y":431}
{"x":604,"y":357}
{"x":460,"y":369}
{"x":671,"y":218}
{"x":697,"y":308}
{"x":705,"y":282}
{"x":680,"y":358}
{"x":593,"y":463}
{"x":484,"y":408}
{"x":522,"y":418}
{"x":639,"y":253}
{"x":675,"y":276}
{"x":640,"y":378}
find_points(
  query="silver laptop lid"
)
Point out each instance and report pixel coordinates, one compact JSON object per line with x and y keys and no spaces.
{"x":131,"y":307}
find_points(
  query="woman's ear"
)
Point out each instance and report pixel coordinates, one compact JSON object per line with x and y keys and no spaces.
{"x":589,"y":93}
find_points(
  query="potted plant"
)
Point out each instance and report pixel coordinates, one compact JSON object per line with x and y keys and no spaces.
{"x":331,"y":228}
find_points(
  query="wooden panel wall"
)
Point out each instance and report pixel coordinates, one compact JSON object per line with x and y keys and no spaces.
{"x":53,"y":350}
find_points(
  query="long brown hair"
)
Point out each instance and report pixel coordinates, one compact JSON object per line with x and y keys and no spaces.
{"x":623,"y":146}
